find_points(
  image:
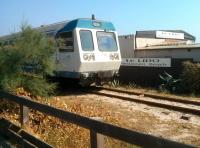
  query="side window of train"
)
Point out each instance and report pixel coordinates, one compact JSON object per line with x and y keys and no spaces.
{"x":86,"y":40}
{"x":66,"y":42}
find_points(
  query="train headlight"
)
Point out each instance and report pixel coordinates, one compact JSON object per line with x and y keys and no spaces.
{"x":114,"y":56}
{"x":85,"y":57}
{"x":92,"y":57}
{"x":89,"y":57}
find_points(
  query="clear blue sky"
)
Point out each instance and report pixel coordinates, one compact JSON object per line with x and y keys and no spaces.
{"x":127,"y":15}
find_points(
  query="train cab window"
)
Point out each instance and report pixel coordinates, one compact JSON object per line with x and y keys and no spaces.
{"x":65,"y":42}
{"x":106,"y":41}
{"x":86,"y":40}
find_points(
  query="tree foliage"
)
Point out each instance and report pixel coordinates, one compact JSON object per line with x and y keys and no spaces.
{"x":26,"y":62}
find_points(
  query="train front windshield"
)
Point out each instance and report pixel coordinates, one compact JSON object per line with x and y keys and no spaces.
{"x":106,"y":41}
{"x":86,"y":40}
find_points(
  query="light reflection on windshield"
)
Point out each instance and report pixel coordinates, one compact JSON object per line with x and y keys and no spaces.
{"x":106,"y":41}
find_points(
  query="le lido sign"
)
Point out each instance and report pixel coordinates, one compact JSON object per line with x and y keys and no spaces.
{"x":147,"y":62}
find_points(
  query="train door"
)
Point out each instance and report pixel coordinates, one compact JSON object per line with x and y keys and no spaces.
{"x":65,"y":51}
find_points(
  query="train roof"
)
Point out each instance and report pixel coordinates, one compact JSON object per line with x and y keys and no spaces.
{"x":88,"y":24}
{"x":51,"y":28}
{"x":67,"y":26}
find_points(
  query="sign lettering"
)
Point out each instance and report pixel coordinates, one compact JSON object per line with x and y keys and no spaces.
{"x":147,"y":62}
{"x":169,"y":35}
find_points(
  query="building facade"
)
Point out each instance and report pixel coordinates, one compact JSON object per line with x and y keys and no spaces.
{"x":175,"y":44}
{"x":163,"y":38}
{"x":148,"y":54}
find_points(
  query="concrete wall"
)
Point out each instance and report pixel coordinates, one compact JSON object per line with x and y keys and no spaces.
{"x":149,"y":76}
{"x":128,"y":50}
{"x":146,"y":42}
{"x":178,"y":53}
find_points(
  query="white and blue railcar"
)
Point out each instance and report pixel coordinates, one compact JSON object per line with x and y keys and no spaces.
{"x":88,"y":49}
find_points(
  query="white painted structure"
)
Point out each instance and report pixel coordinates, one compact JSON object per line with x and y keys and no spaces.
{"x":169,"y":35}
{"x":103,"y":63}
{"x":162,"y":38}
{"x":177,"y":52}
{"x":147,"y":62}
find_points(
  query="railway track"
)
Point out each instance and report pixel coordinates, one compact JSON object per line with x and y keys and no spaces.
{"x":175,"y":104}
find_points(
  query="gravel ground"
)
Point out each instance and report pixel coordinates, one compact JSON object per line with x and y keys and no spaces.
{"x":152,"y":120}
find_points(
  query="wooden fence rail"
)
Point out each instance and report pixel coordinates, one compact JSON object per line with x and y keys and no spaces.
{"x":126,"y":135}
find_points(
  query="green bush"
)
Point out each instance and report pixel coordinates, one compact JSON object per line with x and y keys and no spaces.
{"x":26,"y":62}
{"x":191,"y":78}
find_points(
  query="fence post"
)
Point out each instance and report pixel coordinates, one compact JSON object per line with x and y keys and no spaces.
{"x":24,"y":117}
{"x":96,"y":140}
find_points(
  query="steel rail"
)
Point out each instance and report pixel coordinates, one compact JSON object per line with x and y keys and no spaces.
{"x":151,"y":103}
{"x":197,"y":103}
